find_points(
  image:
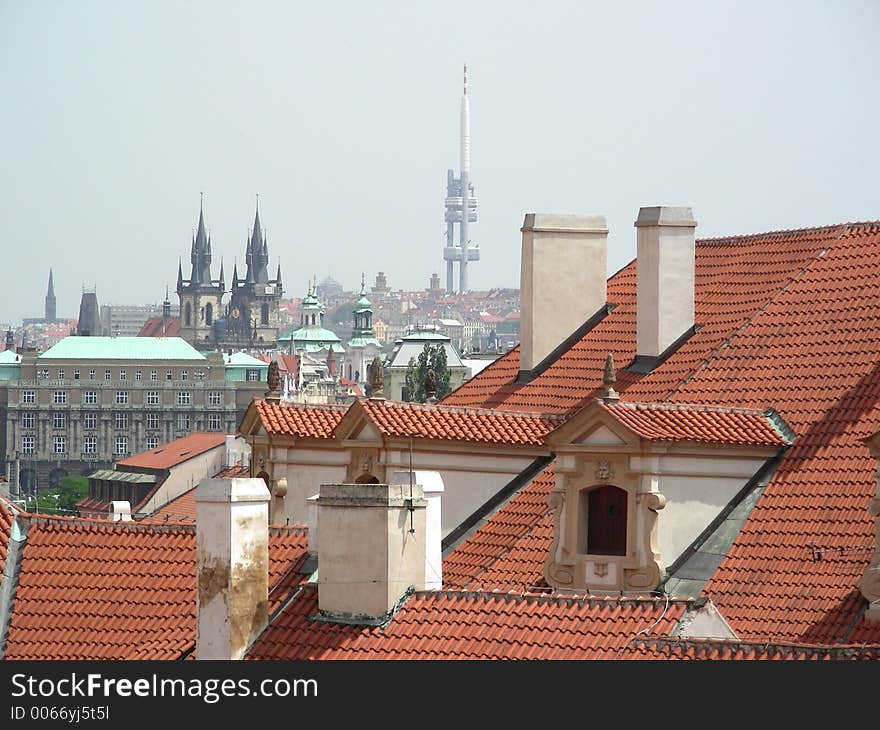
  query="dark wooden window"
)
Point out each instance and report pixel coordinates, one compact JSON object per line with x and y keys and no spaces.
{"x":606,"y":521}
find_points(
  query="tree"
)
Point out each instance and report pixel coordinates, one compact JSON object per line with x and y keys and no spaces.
{"x":431,"y":356}
{"x":73,"y":489}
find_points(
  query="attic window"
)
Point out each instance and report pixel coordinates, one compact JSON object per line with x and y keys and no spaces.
{"x":603,"y":521}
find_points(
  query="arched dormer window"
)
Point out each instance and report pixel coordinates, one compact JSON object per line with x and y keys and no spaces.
{"x":603,"y":521}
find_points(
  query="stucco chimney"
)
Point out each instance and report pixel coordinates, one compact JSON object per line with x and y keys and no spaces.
{"x":120,"y":511}
{"x":372,"y":549}
{"x":432,"y":488}
{"x":665,"y":280}
{"x":562,"y":281}
{"x":230,"y":451}
{"x":312,"y":509}
{"x":232,"y":565}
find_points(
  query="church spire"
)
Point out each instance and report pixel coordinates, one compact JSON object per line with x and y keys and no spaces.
{"x":234,"y":276}
{"x":50,"y":299}
{"x":278,"y":283}
{"x":179,"y":276}
{"x":201,"y":251}
{"x":257,"y":252}
{"x":222,"y":279}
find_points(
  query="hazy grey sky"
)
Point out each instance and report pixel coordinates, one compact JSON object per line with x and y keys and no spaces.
{"x":344,"y":117}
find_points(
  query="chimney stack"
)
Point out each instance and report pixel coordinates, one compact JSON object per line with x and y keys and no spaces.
{"x":563,"y":276}
{"x":665,"y":280}
{"x":372,"y":550}
{"x":432,"y":488}
{"x":232,"y":565}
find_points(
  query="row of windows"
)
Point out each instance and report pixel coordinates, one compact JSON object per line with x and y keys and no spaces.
{"x":43,"y":374}
{"x":120,"y":420}
{"x":120,"y":443}
{"x":90,"y":397}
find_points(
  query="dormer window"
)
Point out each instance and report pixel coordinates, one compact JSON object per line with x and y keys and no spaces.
{"x":603,"y":520}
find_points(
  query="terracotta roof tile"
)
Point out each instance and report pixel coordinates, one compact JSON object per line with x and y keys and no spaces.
{"x":419,"y":420}
{"x":6,"y":518}
{"x":706,"y":424}
{"x":788,"y":321}
{"x":471,"y":625}
{"x":175,"y":452}
{"x":671,"y":648}
{"x":155,"y":327}
{"x":94,"y":589}
{"x":296,"y":420}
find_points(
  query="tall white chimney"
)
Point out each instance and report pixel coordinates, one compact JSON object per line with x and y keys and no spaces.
{"x":665,"y":279}
{"x":432,"y":487}
{"x":232,"y":565}
{"x":562,"y":282}
{"x":371,"y":551}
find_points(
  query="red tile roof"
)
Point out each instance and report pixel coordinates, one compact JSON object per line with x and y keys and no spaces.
{"x":705,"y":424}
{"x":468,"y":625}
{"x":110,"y":590}
{"x":159,"y":327}
{"x":298,"y":420}
{"x":180,"y":509}
{"x":419,"y":420}
{"x":175,"y":452}
{"x":6,"y":518}
{"x":670,"y":648}
{"x":788,"y":322}
{"x":508,"y":551}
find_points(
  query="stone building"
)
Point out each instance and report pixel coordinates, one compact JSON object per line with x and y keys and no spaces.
{"x":89,"y":401}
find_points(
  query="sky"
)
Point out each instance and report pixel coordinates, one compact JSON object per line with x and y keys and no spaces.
{"x":343,"y":116}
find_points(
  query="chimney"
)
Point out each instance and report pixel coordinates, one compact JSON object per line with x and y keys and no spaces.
{"x":312,"y":509}
{"x":432,"y":488}
{"x":665,"y":280}
{"x":372,"y":550}
{"x":563,"y":274}
{"x":232,"y":565}
{"x":120,"y":511}
{"x":230,"y":451}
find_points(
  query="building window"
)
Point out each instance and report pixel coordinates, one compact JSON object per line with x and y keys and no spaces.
{"x":138,"y":374}
{"x":209,"y":313}
{"x":253,"y":376}
{"x":60,"y":373}
{"x":184,"y":375}
{"x":91,"y":374}
{"x":120,"y":421}
{"x":122,"y":397}
{"x":152,"y":442}
{"x":184,"y":398}
{"x":200,"y":374}
{"x":59,"y":398}
{"x":28,"y":444}
{"x":605,"y":519}
{"x":90,"y":397}
{"x":120,"y":445}
{"x":152,"y":421}
{"x":28,"y":396}
{"x":59,"y":444}
{"x":183,"y":421}
{"x":59,"y":419}
{"x":90,"y":445}
{"x":215,"y":398}
{"x":152,"y":397}
{"x":187,"y":314}
{"x":76,"y":374}
{"x":215,"y":421}
{"x":168,"y":375}
{"x":107,"y":375}
{"x":43,"y":374}
{"x":28,"y":419}
{"x":123,"y":375}
{"x":90,"y":420}
{"x":264,"y":314}
{"x":154,"y":375}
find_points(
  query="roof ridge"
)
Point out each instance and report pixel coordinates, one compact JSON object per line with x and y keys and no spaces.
{"x":758,"y":647}
{"x":784,"y":232}
{"x":675,"y":406}
{"x":467,"y":409}
{"x":581,"y":599}
{"x":40,"y":519}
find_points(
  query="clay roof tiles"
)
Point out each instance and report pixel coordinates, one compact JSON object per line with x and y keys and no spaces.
{"x":471,"y":625}
{"x":296,"y":420}
{"x":789,"y":322}
{"x":97,"y":589}
{"x":175,"y":452}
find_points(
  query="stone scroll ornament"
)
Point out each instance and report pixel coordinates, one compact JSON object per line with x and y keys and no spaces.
{"x":557,"y":574}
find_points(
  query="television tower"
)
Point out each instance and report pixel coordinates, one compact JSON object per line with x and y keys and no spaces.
{"x":461,"y":206}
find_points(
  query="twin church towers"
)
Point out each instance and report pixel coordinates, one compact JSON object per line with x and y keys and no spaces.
{"x":250,"y":319}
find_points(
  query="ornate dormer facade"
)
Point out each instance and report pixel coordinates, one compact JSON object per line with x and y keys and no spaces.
{"x":201,"y":296}
{"x":638,"y":484}
{"x":253,"y":313}
{"x":363,"y":345}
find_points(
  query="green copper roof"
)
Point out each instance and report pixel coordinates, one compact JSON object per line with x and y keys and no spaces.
{"x":122,"y":348}
{"x":429,"y":335}
{"x":9,"y":357}
{"x":242,"y":359}
{"x":363,"y":342}
{"x":310,"y":334}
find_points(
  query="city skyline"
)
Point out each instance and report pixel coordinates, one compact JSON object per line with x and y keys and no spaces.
{"x":346,"y":120}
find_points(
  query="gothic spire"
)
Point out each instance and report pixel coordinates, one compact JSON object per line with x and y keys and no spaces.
{"x":234,"y":276}
{"x":278,"y":277}
{"x":179,"y":276}
{"x":222,"y":279}
{"x":50,"y":299}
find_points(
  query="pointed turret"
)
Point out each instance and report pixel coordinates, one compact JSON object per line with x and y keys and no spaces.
{"x":179,"y":276}
{"x":166,"y":307}
{"x":234,"y":276}
{"x":201,"y":252}
{"x":50,"y":299}
{"x":222,"y":278}
{"x":278,"y":283}
{"x":257,"y":252}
